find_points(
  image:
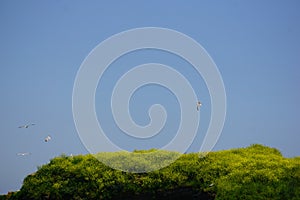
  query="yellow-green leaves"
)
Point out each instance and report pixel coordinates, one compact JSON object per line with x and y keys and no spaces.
{"x":256,"y":172}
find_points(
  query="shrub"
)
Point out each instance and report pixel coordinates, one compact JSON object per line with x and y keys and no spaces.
{"x":256,"y":172}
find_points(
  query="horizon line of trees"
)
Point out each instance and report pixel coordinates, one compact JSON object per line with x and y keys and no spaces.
{"x":255,"y":172}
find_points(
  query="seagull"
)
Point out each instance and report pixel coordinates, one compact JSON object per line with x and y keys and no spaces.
{"x":48,"y":138}
{"x":198,"y":105}
{"x":26,"y":126}
{"x":23,"y":154}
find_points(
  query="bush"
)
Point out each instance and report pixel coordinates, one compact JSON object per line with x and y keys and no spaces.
{"x":256,"y":172}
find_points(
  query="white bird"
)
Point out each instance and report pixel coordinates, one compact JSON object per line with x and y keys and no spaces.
{"x":26,"y":126}
{"x":198,"y":105}
{"x":48,"y":138}
{"x":23,"y":154}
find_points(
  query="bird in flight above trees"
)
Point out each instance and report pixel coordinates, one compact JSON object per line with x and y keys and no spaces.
{"x":26,"y":126}
{"x":23,"y":154}
{"x":198,"y":105}
{"x":48,"y":138}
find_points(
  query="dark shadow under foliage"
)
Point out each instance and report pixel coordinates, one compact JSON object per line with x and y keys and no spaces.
{"x":255,"y":172}
{"x":173,"y":194}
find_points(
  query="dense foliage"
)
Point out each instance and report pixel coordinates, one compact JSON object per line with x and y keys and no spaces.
{"x":256,"y":172}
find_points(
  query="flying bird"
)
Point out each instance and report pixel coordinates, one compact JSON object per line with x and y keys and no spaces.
{"x":23,"y":154}
{"x":198,"y":105}
{"x":26,"y":126}
{"x":48,"y":138}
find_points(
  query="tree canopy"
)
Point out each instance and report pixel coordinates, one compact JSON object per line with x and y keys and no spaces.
{"x":255,"y":172}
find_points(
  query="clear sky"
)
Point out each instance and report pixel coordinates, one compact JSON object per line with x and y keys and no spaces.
{"x":255,"y":44}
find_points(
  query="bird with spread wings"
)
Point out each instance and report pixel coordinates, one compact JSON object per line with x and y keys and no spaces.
{"x":26,"y":126}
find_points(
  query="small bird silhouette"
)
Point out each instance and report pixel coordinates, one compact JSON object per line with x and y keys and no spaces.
{"x":198,"y":105}
{"x":23,"y":154}
{"x":48,"y":138}
{"x":26,"y":126}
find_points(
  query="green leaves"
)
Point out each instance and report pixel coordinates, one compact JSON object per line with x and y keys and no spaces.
{"x":140,"y":161}
{"x":256,"y":172}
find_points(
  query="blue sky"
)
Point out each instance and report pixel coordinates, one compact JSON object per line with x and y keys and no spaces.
{"x":255,"y":45}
